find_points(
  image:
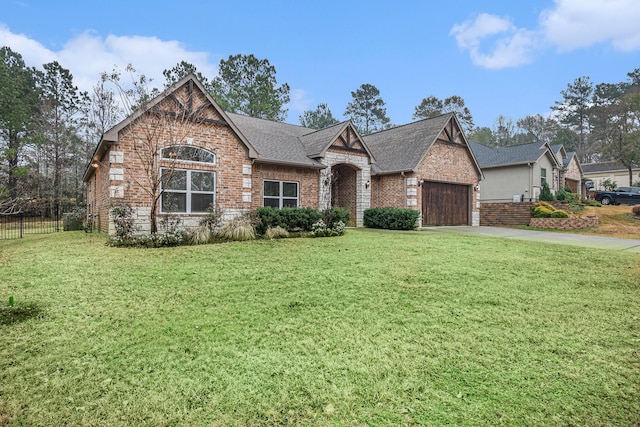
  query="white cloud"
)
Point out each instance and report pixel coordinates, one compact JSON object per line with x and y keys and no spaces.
{"x":495,"y":42}
{"x":298,"y":103}
{"x":87,"y":55}
{"x":33,"y":53}
{"x":511,"y":46}
{"x":574,"y":24}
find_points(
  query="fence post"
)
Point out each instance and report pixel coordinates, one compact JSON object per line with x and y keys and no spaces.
{"x":21,"y":224}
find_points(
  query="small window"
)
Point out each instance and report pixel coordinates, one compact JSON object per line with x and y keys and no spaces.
{"x":188,"y":154}
{"x":280,"y":194}
{"x":187,"y":191}
{"x":543,"y":176}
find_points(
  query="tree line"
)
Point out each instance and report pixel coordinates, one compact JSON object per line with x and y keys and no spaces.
{"x":49,"y":128}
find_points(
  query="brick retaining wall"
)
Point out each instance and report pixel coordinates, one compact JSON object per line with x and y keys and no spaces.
{"x":565,"y":223}
{"x":505,"y":213}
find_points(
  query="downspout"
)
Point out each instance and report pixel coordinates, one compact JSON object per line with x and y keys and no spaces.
{"x":530,"y":181}
{"x":404,"y":186}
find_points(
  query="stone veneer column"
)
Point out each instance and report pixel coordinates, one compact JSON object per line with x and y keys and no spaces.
{"x":363,"y":176}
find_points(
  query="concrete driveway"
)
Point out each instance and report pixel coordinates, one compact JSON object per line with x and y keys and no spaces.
{"x":611,"y":243}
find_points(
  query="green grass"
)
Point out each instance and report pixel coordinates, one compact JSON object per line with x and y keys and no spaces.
{"x":372,"y":328}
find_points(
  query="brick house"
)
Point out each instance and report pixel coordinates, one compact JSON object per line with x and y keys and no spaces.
{"x":183,"y":150}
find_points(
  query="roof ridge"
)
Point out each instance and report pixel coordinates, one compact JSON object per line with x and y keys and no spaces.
{"x":409,"y":124}
{"x":267,"y":120}
{"x":325,"y":128}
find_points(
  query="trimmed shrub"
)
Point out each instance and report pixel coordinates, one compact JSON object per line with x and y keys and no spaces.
{"x":541,"y":212}
{"x":391,"y":218}
{"x":335,"y":215}
{"x":291,"y":219}
{"x":545,"y":210}
{"x":546,"y":205}
{"x":559,"y":214}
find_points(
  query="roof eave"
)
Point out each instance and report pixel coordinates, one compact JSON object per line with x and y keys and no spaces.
{"x":97,"y":155}
{"x":286,"y":163}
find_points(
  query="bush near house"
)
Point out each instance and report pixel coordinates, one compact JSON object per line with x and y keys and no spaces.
{"x":298,"y":219}
{"x":391,"y":218}
{"x":545,"y":193}
{"x":291,"y":219}
{"x":546,"y":210}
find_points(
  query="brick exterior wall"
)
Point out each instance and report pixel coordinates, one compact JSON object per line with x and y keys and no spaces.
{"x":444,"y":162}
{"x":387,"y":191}
{"x":307,"y":179}
{"x":150,"y":134}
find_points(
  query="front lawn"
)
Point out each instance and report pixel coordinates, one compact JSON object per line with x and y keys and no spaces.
{"x":372,"y":328}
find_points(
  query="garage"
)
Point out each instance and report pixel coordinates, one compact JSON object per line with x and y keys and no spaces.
{"x":445,"y":204}
{"x":572,"y":184}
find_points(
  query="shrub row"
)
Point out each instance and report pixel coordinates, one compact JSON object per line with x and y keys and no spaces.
{"x":297,"y":219}
{"x":267,"y":222}
{"x":391,"y":218}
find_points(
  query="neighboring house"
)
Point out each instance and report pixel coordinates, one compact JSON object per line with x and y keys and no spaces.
{"x":597,"y":173}
{"x":571,"y":173}
{"x":238,"y":163}
{"x":518,"y":172}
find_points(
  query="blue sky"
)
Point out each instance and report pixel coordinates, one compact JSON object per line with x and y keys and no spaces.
{"x":503,"y":57}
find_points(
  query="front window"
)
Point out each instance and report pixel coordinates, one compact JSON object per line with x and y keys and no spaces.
{"x":187,"y":191}
{"x":280,"y":194}
{"x":543,"y":176}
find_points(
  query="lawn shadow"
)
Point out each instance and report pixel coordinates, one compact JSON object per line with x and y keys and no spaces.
{"x":19,"y":313}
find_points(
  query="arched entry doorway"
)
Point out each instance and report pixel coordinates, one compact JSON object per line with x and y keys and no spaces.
{"x":344,"y":189}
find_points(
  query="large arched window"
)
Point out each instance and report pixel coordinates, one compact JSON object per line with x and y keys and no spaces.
{"x":188,"y":154}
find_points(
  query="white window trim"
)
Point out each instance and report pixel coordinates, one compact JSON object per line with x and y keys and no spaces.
{"x":194,"y":162}
{"x":188,"y":191}
{"x":281,"y":196}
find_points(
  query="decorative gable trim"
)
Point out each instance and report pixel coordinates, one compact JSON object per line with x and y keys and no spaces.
{"x":192,"y":84}
{"x":451,"y":133}
{"x":349,"y":140}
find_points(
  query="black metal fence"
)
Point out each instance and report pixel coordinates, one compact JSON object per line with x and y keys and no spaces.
{"x":41,"y":220}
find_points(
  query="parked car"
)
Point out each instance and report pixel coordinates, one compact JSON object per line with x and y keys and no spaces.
{"x":627,"y":195}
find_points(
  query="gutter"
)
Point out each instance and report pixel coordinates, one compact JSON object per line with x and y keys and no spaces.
{"x":285,"y":163}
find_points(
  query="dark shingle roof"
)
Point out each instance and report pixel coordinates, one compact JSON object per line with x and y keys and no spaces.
{"x":603,"y":167}
{"x":402,"y":148}
{"x":507,"y":156}
{"x":275,"y":141}
{"x":316,"y":141}
{"x":567,"y":160}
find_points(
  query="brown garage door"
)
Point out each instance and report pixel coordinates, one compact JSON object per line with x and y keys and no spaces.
{"x":445,"y":204}
{"x":572,"y":184}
